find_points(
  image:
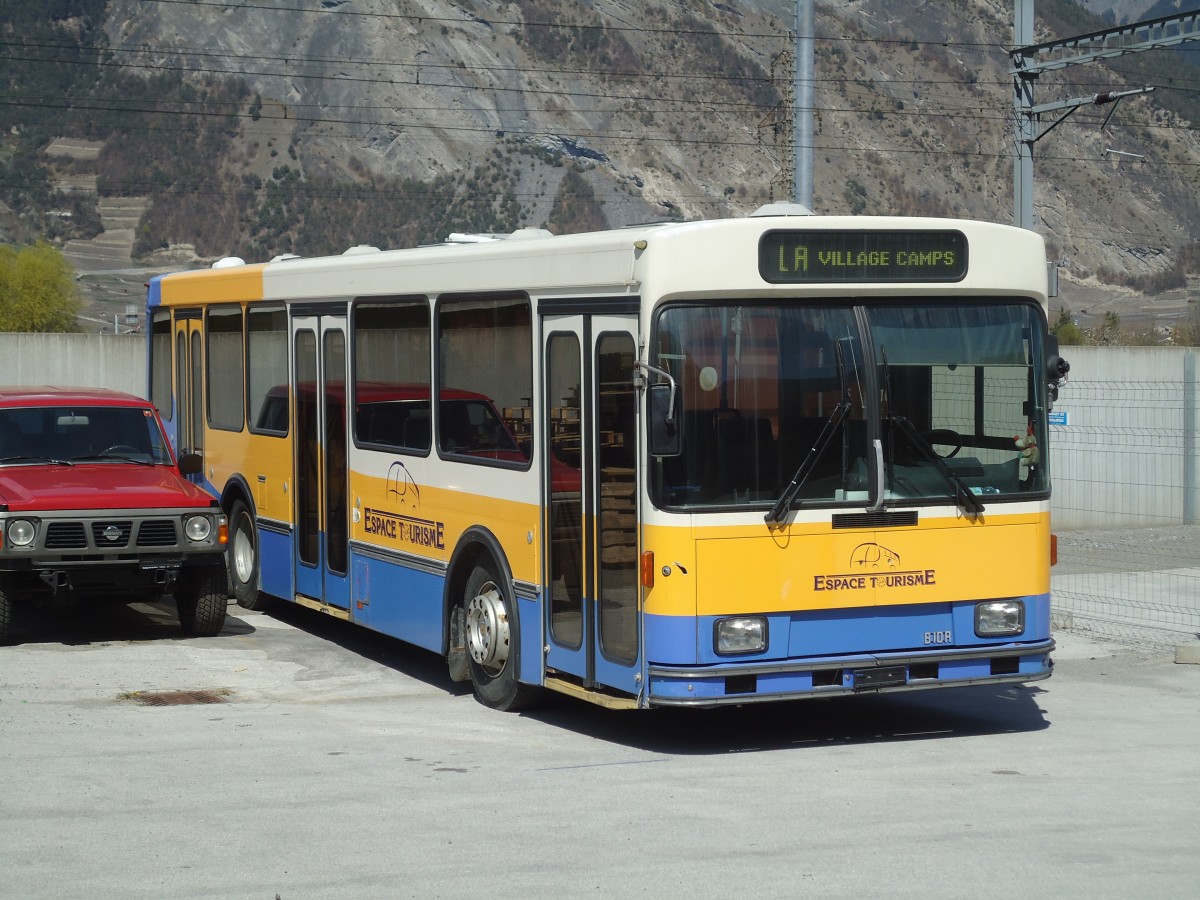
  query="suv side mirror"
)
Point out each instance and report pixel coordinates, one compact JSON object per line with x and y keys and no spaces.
{"x":190,"y":464}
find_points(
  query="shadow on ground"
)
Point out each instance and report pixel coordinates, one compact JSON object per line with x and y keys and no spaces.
{"x":918,"y":715}
{"x":107,"y":622}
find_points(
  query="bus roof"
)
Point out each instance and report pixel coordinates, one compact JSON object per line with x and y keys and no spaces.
{"x":703,"y":258}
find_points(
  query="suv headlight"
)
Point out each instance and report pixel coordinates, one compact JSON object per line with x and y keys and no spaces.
{"x":21,"y":532}
{"x":999,"y":618}
{"x":740,"y":634}
{"x":197,"y":528}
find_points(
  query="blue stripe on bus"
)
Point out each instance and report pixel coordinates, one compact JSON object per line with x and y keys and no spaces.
{"x":693,"y":690}
{"x":276,"y":563}
{"x":529,"y":614}
{"x":680,"y":640}
{"x":406,"y":602}
{"x":154,"y":291}
{"x":398,"y":600}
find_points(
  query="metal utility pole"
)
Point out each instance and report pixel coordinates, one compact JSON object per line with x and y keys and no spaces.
{"x":778,"y":125}
{"x":1030,"y":60}
{"x":802,"y":117}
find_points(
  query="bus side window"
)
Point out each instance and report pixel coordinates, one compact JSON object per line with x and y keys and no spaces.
{"x":485,"y":364}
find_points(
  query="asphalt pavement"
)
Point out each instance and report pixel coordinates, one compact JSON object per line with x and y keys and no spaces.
{"x":331,"y":762}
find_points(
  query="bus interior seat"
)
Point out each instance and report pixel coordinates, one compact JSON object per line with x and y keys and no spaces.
{"x":454,"y":427}
{"x":416,"y":429}
{"x":382,"y":425}
{"x":725,"y":452}
{"x":746,"y":451}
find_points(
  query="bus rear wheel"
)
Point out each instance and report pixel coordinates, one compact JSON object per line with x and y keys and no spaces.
{"x":493,"y":642}
{"x":243,"y":557}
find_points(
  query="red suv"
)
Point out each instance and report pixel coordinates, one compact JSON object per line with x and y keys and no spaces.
{"x":93,"y":506}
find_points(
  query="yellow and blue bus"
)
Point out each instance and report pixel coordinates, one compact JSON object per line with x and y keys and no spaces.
{"x":683,"y":464}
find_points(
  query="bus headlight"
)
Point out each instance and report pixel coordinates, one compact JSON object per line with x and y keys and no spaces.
{"x":740,"y":634}
{"x":197,"y":528}
{"x":999,"y":618}
{"x":21,"y":532}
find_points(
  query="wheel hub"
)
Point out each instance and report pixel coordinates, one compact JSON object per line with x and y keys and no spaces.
{"x":243,"y":556}
{"x":487,"y":629}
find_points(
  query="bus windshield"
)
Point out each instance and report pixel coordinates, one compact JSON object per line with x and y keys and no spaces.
{"x":783,"y":403}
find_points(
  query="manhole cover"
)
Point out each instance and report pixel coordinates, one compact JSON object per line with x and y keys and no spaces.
{"x":176,"y":698}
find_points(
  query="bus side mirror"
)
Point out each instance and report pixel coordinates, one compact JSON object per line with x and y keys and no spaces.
{"x":666,"y":428}
{"x":190,"y":464}
{"x":1056,"y":367}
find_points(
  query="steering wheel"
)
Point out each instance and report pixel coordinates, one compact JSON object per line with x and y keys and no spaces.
{"x":119,"y":449}
{"x":944,"y":436}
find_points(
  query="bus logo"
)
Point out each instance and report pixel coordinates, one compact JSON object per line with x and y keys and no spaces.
{"x":400,"y":484}
{"x":872,"y":567}
{"x":874,"y":556}
{"x":404,"y":529}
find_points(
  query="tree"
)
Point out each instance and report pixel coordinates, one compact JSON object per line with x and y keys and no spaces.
{"x":1065,"y":329}
{"x":1187,"y":332}
{"x":1109,"y":333}
{"x":37,"y":290}
{"x":575,"y":208}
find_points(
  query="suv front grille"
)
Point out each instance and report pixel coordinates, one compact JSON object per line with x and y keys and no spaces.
{"x":66,"y":536}
{"x":111,"y":534}
{"x":157,"y":533}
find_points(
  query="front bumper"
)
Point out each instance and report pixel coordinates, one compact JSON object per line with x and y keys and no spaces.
{"x":720,"y":685}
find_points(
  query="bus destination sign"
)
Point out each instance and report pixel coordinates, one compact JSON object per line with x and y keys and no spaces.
{"x":871,"y":256}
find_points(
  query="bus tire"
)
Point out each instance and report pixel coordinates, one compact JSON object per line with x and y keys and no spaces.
{"x":493,"y":642}
{"x":6,"y":612}
{"x":243,"y":557}
{"x":201,"y":601}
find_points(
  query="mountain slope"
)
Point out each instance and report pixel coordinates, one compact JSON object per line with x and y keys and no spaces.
{"x":308,"y":125}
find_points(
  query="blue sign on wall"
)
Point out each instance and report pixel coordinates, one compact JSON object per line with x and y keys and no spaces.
{"x":1059,"y":417}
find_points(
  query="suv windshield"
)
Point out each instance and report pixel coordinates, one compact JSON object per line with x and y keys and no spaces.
{"x":70,"y":434}
{"x":782,"y":405}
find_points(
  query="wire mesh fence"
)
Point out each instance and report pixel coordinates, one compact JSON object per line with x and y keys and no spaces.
{"x":1124,"y":458}
{"x":1137,"y":585}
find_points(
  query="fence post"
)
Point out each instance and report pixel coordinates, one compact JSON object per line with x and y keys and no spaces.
{"x":1189,"y":438}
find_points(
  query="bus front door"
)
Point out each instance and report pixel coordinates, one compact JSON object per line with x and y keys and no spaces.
{"x":591,"y":534}
{"x":321,"y":512}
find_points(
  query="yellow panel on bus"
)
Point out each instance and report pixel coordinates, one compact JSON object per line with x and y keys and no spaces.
{"x":230,"y":285}
{"x":430,"y":522}
{"x":750,"y":570}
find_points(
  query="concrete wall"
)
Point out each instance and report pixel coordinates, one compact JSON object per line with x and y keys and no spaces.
{"x":1125,"y":457}
{"x":92,"y":360}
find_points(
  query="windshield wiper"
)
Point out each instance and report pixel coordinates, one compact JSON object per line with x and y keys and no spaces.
{"x":962,"y":494}
{"x":28,"y":458}
{"x":114,"y":457}
{"x":779,"y":510}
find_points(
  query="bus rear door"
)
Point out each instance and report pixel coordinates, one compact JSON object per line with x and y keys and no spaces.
{"x":188,"y":434}
{"x":591,"y":534}
{"x":321,"y":509}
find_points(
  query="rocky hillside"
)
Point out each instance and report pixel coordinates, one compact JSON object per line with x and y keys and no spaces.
{"x":309,"y":125}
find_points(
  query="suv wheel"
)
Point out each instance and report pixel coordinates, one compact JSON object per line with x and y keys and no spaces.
{"x":200,"y":601}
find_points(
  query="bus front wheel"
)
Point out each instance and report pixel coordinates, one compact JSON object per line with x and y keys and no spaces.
{"x":493,"y":642}
{"x":243,"y":557}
